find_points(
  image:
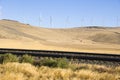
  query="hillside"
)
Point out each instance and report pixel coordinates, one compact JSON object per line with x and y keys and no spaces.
{"x":14,"y":34}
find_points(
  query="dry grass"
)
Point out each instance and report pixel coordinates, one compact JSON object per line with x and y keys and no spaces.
{"x":25,"y":71}
{"x":21,"y":36}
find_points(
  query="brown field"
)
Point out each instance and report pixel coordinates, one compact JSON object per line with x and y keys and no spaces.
{"x":96,"y":39}
{"x":26,"y":71}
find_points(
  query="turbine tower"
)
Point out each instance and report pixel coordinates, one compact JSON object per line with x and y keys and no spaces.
{"x":67,"y":21}
{"x":40,"y":21}
{"x":117,"y":21}
{"x":50,"y":21}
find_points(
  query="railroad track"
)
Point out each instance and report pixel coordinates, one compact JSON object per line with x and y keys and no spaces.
{"x":59,"y":54}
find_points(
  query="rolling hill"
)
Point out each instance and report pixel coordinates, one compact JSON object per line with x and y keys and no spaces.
{"x":14,"y":34}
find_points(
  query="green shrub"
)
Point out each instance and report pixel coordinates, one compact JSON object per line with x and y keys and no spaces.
{"x":62,"y":63}
{"x":9,"y":58}
{"x":52,"y":62}
{"x":48,"y":62}
{"x":27,"y":59}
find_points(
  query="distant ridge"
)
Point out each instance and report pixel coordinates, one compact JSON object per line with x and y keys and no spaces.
{"x":10,"y":20}
{"x":97,"y":27}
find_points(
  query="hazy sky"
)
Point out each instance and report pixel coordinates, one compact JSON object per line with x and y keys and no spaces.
{"x":62,"y":13}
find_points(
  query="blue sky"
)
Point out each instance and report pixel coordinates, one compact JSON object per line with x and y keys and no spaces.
{"x":62,"y":13}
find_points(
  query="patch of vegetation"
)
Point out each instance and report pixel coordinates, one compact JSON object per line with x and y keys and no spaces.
{"x":27,"y":59}
{"x":48,"y":62}
{"x":9,"y":58}
{"x":26,"y":71}
{"x":62,"y":63}
{"x":54,"y":62}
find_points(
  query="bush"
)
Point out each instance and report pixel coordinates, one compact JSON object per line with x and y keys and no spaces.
{"x":9,"y":58}
{"x":27,"y":59}
{"x":62,"y":63}
{"x":50,"y":62}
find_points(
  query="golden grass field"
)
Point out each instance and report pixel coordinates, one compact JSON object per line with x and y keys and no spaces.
{"x":26,"y":71}
{"x":14,"y":34}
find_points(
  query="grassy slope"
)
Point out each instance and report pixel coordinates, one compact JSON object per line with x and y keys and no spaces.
{"x":17,"y":35}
